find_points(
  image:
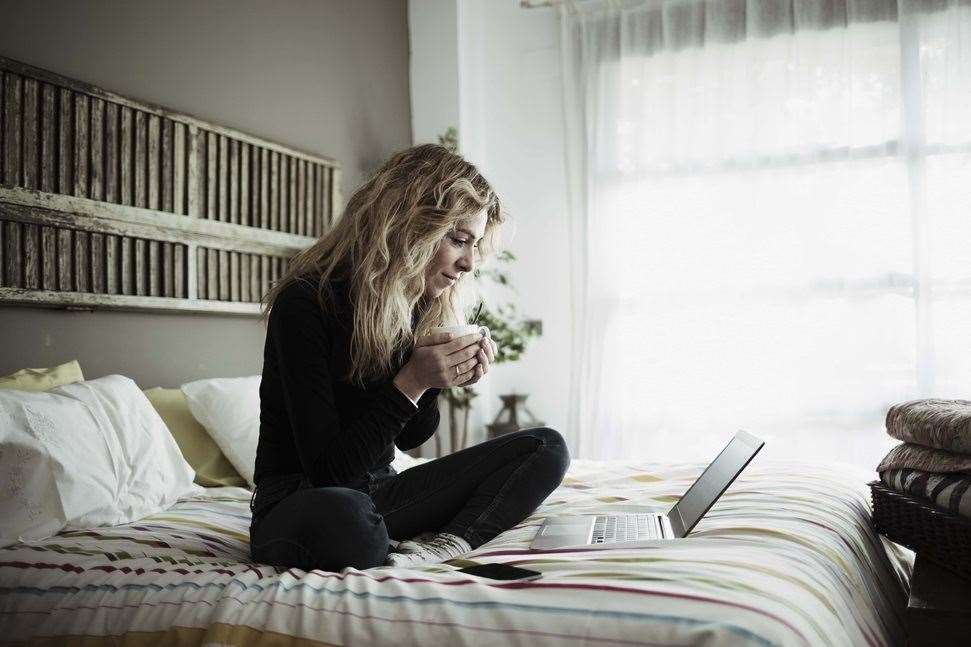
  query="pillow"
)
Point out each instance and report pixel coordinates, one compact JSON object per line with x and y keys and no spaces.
{"x":82,"y":455}
{"x":212,"y":467}
{"x":42,"y":379}
{"x":229,"y":409}
{"x":403,"y":461}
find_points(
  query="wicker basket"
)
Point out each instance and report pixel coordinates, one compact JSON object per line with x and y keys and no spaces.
{"x":935,"y":533}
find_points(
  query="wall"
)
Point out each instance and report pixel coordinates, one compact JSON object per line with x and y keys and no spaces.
{"x":433,"y":30}
{"x":511,"y":127}
{"x":434,"y":68}
{"x":326,"y":77}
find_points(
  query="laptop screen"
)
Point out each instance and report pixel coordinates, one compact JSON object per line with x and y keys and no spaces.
{"x":716,"y":478}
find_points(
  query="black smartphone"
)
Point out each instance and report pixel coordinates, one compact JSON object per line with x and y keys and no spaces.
{"x":501,"y":572}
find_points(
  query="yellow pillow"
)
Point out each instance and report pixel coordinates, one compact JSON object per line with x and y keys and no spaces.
{"x":43,"y":379}
{"x":212,"y":467}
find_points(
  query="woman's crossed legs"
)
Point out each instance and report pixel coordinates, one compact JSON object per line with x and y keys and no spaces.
{"x":475,"y":493}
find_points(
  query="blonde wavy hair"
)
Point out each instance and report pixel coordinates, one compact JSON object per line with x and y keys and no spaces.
{"x":389,"y":231}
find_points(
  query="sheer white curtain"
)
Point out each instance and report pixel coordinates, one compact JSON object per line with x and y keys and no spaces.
{"x":770,"y":221}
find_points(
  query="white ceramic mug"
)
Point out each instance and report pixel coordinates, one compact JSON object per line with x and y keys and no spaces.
{"x":460,"y":330}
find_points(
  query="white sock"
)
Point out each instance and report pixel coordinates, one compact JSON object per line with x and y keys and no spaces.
{"x":413,"y":544}
{"x":409,"y":544}
{"x":428,"y":548}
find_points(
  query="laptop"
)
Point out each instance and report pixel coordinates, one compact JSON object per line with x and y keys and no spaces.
{"x":646,"y":529}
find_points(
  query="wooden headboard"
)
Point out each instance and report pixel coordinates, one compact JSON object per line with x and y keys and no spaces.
{"x":106,"y":202}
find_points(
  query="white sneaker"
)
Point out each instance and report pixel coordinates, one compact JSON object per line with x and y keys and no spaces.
{"x":428,"y":548}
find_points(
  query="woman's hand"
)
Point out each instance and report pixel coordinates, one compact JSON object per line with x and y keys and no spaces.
{"x":440,"y":362}
{"x":486,"y":355}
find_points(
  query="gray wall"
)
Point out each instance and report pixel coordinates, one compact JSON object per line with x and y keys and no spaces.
{"x":325,"y":76}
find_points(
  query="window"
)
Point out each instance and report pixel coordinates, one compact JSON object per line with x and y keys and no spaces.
{"x":784,"y":240}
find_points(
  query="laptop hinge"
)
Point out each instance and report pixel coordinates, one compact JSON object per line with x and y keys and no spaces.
{"x":673,"y":524}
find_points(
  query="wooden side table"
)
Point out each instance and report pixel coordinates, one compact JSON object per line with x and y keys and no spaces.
{"x":939,"y":608}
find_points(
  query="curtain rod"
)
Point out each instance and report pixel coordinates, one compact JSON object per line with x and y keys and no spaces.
{"x":537,"y":4}
{"x":573,"y":5}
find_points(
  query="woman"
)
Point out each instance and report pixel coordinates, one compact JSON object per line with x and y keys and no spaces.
{"x":350,"y":372}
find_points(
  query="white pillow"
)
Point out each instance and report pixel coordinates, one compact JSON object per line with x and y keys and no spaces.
{"x":83,"y":455}
{"x":229,"y":409}
{"x":403,"y":461}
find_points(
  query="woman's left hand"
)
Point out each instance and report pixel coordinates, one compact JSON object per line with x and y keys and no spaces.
{"x":486,"y":355}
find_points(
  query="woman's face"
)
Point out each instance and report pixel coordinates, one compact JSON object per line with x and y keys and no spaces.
{"x":456,"y":255}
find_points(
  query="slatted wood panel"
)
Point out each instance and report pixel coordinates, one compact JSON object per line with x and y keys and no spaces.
{"x":60,"y":137}
{"x":78,"y":261}
{"x":60,"y":141}
{"x":246,"y":184}
{"x":224,"y":275}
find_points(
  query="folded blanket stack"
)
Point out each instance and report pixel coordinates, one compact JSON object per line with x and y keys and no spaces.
{"x":934,"y":460}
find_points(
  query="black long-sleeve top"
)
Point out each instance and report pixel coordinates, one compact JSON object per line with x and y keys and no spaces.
{"x":314,"y":421}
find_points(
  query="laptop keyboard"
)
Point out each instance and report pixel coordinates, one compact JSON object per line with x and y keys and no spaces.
{"x":611,"y":529}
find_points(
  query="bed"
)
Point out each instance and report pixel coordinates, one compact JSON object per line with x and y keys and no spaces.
{"x":786,"y":557}
{"x":123,"y":205}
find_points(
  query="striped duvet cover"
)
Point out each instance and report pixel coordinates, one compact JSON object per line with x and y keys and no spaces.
{"x":786,"y":557}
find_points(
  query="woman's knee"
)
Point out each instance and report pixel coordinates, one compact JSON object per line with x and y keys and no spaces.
{"x":555,"y":450}
{"x":327,"y":528}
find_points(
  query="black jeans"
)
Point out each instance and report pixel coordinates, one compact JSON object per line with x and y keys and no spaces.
{"x":475,"y":493}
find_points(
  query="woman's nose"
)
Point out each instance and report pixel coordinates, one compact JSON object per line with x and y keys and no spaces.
{"x":466,"y":261}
